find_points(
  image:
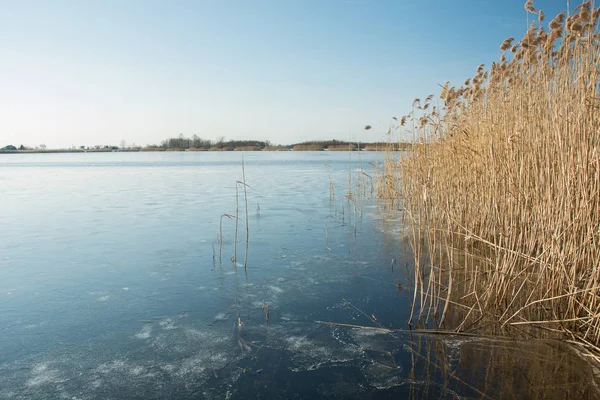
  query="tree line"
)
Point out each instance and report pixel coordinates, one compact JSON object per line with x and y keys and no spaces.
{"x":195,"y":142}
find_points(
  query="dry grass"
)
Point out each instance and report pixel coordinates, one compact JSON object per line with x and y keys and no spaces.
{"x":502,"y":191}
{"x":343,"y":147}
{"x":276,"y":148}
{"x":247,"y":148}
{"x":307,"y":147}
{"x":381,"y":147}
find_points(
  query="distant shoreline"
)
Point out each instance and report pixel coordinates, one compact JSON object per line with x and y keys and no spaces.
{"x":195,"y":143}
{"x":144,"y":150}
{"x":64,"y":151}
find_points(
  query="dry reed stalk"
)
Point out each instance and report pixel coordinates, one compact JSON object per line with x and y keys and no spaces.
{"x":349,"y":194}
{"x":221,"y":232}
{"x":243,"y":343}
{"x":331,"y":189}
{"x":371,"y":317}
{"x":502,"y":188}
{"x":327,"y":248}
{"x":331,"y":186}
{"x":237,"y":219}
{"x":246,"y":201}
{"x":352,"y":199}
{"x":265,"y":308}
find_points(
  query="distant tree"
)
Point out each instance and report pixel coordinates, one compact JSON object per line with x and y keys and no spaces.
{"x":43,"y":146}
{"x":123,"y":143}
{"x":9,"y":147}
{"x":21,"y":147}
{"x":181,"y":141}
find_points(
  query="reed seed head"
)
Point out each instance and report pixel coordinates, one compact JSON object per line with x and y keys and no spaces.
{"x":529,"y":6}
{"x":586,"y":12}
{"x":595,"y":15}
{"x":507,"y":43}
{"x":557,"y":21}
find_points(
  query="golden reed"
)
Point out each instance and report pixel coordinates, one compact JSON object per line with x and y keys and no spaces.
{"x":501,"y":188}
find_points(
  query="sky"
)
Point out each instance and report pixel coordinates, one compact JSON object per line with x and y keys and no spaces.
{"x":91,"y":73}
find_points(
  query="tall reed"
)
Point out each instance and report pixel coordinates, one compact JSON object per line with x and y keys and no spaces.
{"x":502,"y":188}
{"x":237,"y":219}
{"x":246,"y":201}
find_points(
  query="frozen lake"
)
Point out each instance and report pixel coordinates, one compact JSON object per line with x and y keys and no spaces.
{"x":111,"y":287}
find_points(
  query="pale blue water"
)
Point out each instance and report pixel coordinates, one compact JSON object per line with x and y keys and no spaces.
{"x":109,"y":285}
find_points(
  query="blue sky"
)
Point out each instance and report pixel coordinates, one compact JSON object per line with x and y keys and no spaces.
{"x":98,"y":72}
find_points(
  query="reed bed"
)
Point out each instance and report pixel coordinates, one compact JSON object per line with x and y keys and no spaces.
{"x":502,"y":188}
